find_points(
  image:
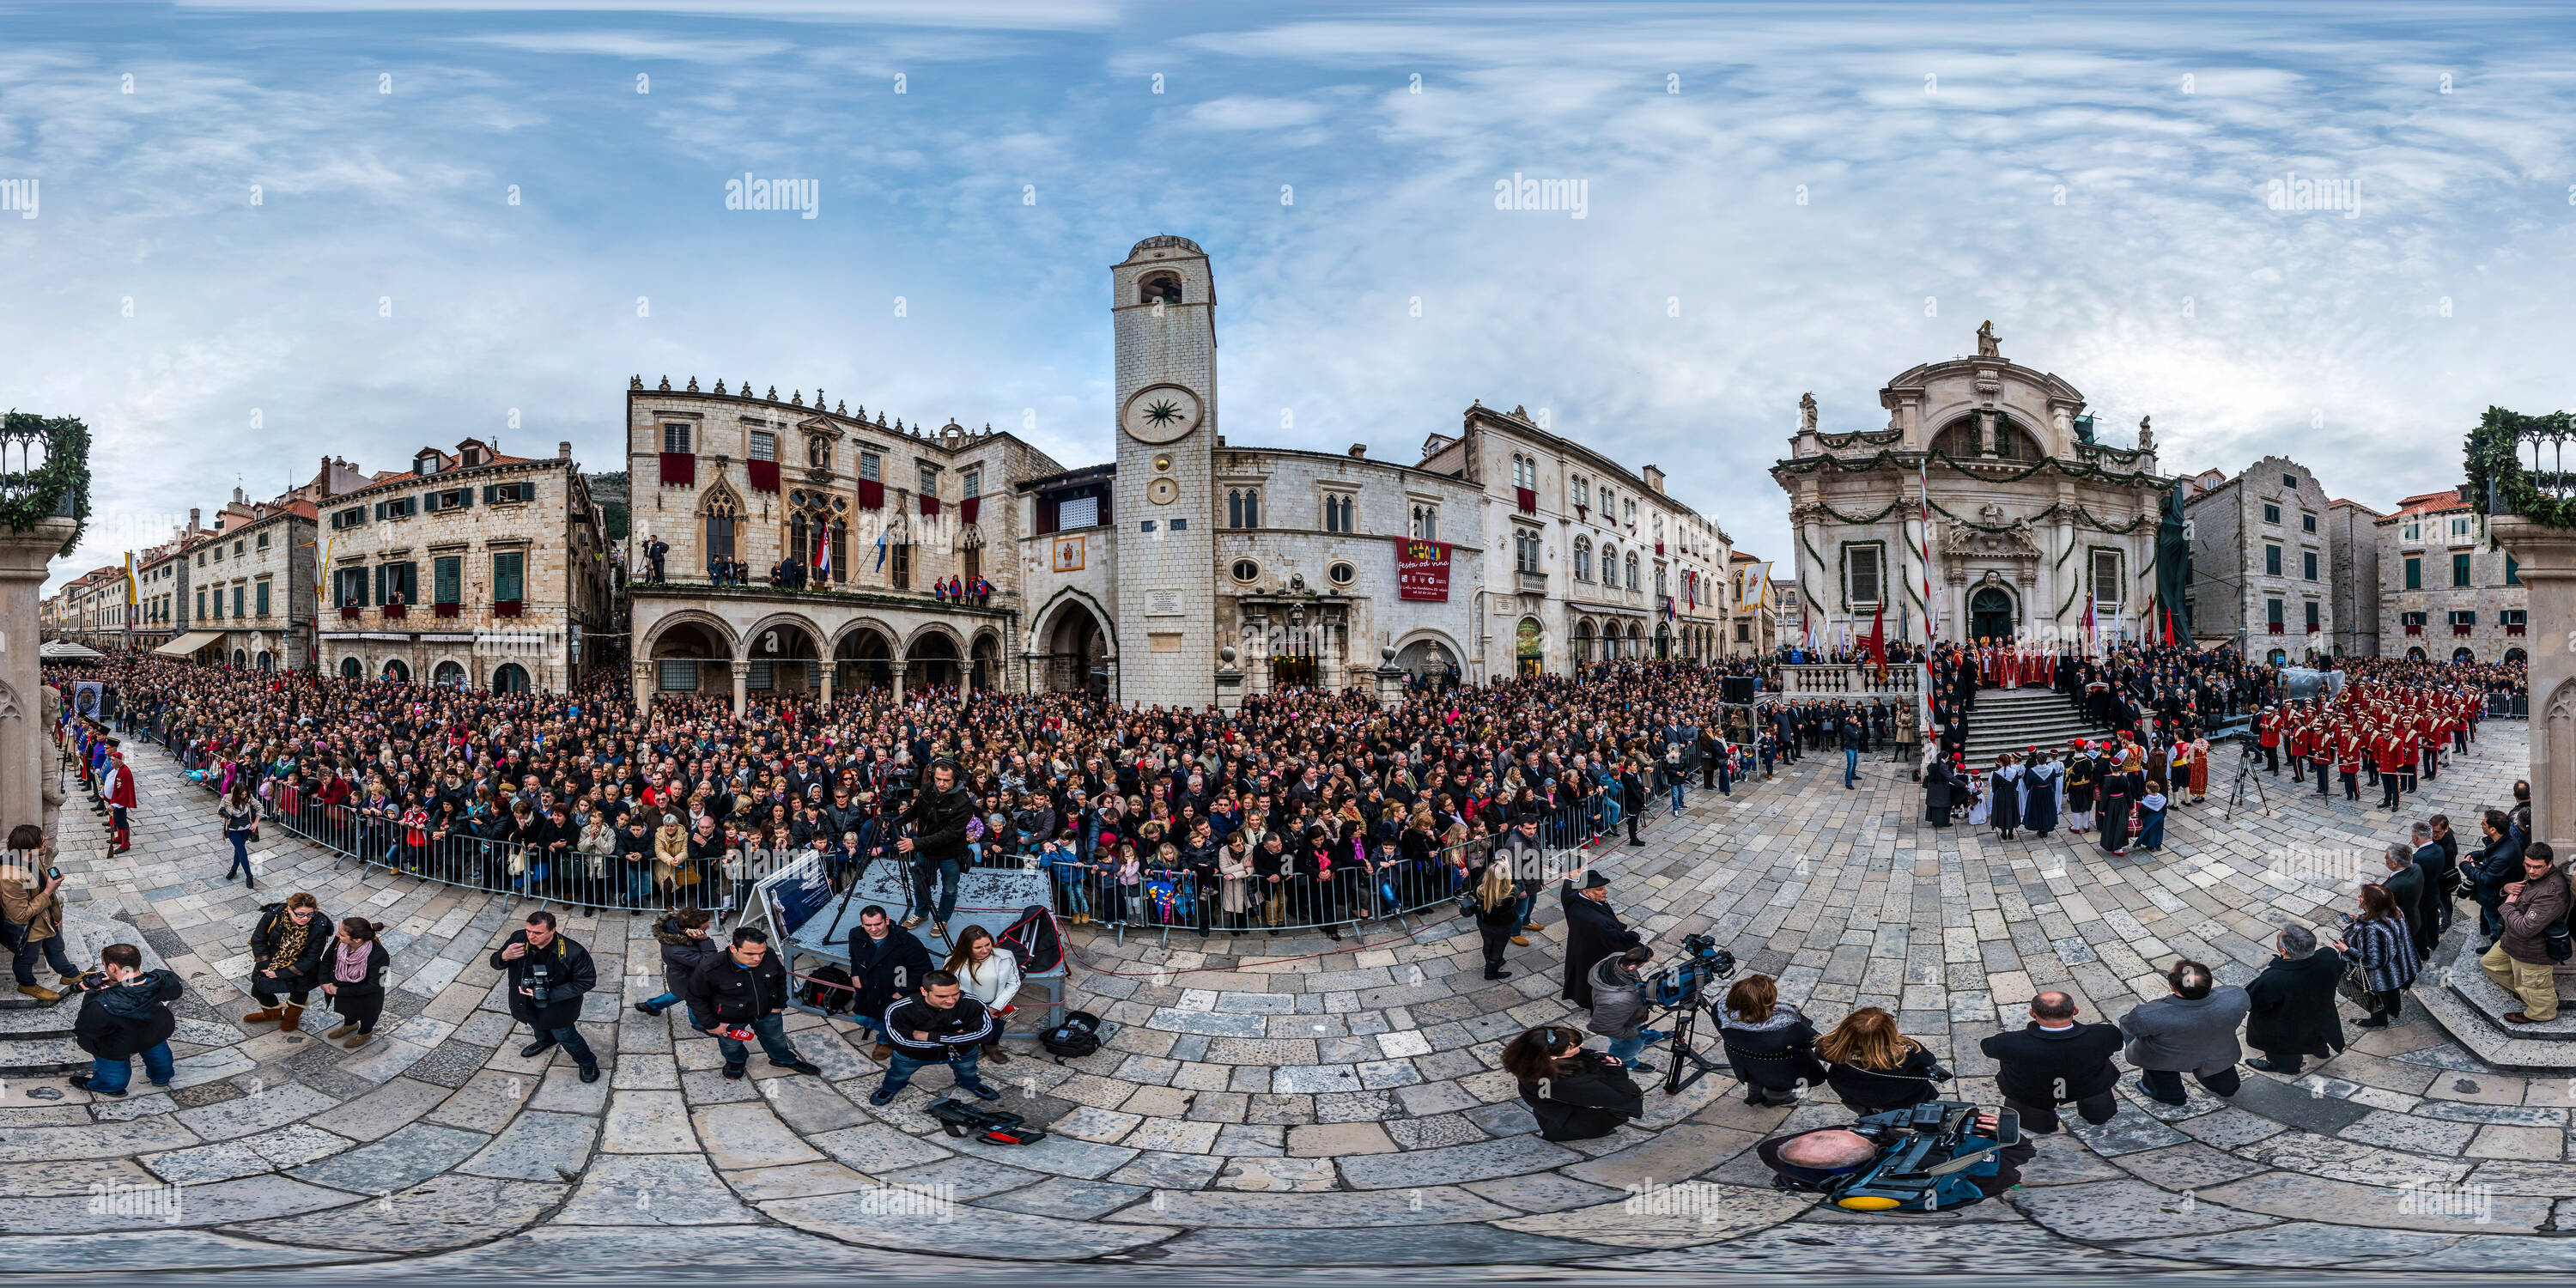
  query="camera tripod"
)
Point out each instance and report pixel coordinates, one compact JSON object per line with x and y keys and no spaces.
{"x":2246,"y":774}
{"x":1685,"y":1018}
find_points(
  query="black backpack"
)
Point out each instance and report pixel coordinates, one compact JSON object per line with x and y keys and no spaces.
{"x":1077,"y":1037}
{"x":819,"y":991}
{"x":1034,"y":939}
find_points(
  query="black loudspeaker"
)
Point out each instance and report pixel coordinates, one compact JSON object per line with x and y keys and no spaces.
{"x":1736,"y":688}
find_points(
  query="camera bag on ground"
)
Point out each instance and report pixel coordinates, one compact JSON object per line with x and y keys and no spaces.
{"x":818,"y":990}
{"x":1077,"y":1037}
{"x":992,"y":1126}
{"x":1034,"y":939}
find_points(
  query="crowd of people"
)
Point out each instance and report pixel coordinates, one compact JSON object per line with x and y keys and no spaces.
{"x":1303,"y":808}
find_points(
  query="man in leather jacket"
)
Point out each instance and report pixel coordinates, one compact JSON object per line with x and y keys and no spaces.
{"x":937,"y":846}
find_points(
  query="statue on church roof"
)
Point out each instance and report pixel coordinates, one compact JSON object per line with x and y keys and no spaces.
{"x":1989,"y":345}
{"x":1806,"y":413}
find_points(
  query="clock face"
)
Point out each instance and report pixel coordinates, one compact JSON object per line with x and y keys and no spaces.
{"x":1160,"y":414}
{"x":1163,"y":492}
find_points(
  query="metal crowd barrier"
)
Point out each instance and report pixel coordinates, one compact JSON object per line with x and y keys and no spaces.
{"x":1160,"y":900}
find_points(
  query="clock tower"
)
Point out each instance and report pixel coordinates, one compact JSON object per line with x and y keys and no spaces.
{"x":1163,"y":302}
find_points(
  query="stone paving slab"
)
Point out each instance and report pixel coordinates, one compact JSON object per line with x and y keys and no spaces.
{"x":1254,"y":1092}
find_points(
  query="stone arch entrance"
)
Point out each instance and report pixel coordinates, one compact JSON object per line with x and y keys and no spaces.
{"x":864,"y":659}
{"x":688,"y":657}
{"x":1990,"y":613}
{"x":785,"y":654}
{"x":1430,"y":655}
{"x":984,"y":664}
{"x":931,"y":660}
{"x":1070,"y":650}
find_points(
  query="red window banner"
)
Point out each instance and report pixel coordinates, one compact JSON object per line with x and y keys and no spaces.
{"x":1527,"y":499}
{"x":970,"y":509}
{"x":679,"y":469}
{"x":764,"y":475}
{"x":929,"y":506}
{"x":1422,"y":569}
{"x":871,"y":494}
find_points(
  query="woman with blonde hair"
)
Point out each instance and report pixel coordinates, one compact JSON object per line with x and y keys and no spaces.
{"x":1873,"y":1068}
{"x":1498,"y":914}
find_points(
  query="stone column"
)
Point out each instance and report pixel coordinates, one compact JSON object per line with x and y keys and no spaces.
{"x":966,"y":676}
{"x":2548,"y":566}
{"x":1229,"y":682}
{"x":643,"y":670}
{"x":741,"y":685}
{"x":24,"y":745}
{"x":897,"y":679}
{"x":824,"y":668}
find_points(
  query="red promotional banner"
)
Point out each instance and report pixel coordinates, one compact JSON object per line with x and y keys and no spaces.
{"x":1422,"y":569}
{"x":764,"y":475}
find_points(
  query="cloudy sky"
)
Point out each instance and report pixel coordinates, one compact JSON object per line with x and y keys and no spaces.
{"x":271,"y":232}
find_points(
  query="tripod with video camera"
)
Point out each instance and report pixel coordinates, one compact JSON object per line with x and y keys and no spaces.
{"x":1681,"y":991}
{"x":2247,"y":775}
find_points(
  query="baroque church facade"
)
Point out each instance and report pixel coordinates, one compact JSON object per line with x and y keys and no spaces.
{"x":2031,"y":517}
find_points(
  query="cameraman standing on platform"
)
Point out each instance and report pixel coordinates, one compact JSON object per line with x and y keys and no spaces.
{"x":937,"y":846}
{"x":548,"y":973}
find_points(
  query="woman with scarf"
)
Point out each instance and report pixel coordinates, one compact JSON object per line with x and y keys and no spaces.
{"x":286,"y":950}
{"x":2007,"y":810}
{"x":353,"y":977}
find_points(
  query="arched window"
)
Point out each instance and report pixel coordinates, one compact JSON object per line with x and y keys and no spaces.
{"x":1524,"y":472}
{"x":1337,"y":512}
{"x":1525,"y":552}
{"x":1582,"y":559}
{"x":1959,"y":438}
{"x":352,"y":669}
{"x":1159,"y":288}
{"x":447,"y":675}
{"x":718,"y":515}
{"x":1632,"y":570}
{"x":1662,"y":587}
{"x":1582,"y":491}
{"x":267,"y":661}
{"x":1583,"y":640}
{"x":510,"y":677}
{"x":1609,"y":506}
{"x":396,"y":671}
{"x":1243,"y":508}
{"x":1426,"y":522}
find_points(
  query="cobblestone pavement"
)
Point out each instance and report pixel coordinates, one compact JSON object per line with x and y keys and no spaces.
{"x":1254,"y":1091}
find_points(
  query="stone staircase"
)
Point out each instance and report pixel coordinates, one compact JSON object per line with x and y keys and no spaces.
{"x":2459,"y":996}
{"x":2018,"y":719}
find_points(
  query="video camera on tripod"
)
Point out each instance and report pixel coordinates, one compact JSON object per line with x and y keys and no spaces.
{"x":1682,"y":989}
{"x":1685,"y":982}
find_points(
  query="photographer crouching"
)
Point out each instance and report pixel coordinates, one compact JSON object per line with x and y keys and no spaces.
{"x":125,"y":1012}
{"x":1931,"y":1157}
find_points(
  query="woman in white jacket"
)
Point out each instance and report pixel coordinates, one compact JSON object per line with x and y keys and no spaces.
{"x":990,"y":976}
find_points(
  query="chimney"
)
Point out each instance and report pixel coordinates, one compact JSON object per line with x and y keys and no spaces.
{"x":1655,"y":479}
{"x":193,"y":515}
{"x":563,"y":451}
{"x":1359,"y":451}
{"x":326,"y":477}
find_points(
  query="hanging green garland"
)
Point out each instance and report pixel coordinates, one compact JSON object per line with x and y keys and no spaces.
{"x":1881,"y":438}
{"x":1864,"y":520}
{"x":59,"y":488}
{"x":1888,"y":457}
{"x":2493,"y":455}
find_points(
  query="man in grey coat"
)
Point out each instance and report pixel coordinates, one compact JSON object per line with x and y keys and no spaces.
{"x":1619,"y":1006}
{"x":2194,"y":1030}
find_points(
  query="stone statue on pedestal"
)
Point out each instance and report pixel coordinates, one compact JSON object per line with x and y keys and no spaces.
{"x":1806,"y":413}
{"x":1989,"y":345}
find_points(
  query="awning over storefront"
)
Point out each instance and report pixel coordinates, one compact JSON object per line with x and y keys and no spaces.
{"x":66,"y":651}
{"x":189,"y":643}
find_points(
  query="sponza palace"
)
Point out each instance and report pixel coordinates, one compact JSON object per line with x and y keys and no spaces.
{"x":1188,"y":569}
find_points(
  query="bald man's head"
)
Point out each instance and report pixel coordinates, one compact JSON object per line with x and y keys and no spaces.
{"x":1828,"y":1150}
{"x":2052,"y":1007}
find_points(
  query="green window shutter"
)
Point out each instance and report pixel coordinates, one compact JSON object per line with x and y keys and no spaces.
{"x":505,"y":577}
{"x":446,"y":572}
{"x":263,"y":599}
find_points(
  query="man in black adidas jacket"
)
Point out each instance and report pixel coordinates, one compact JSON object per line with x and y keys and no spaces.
{"x":936,"y":847}
{"x":941,"y":1023}
{"x":745,"y":987}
